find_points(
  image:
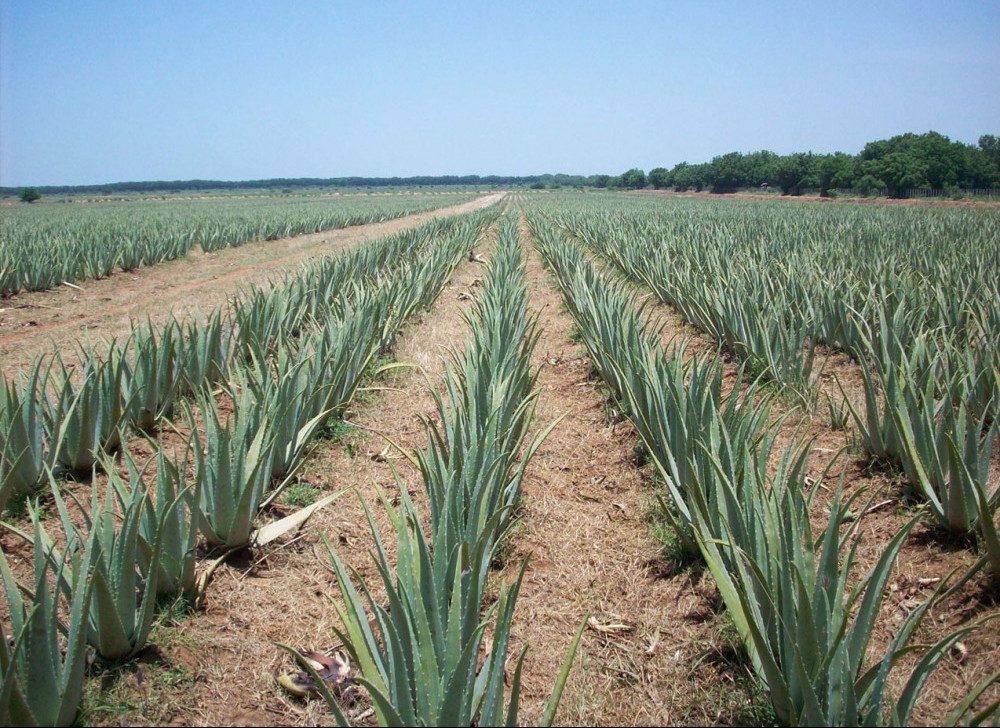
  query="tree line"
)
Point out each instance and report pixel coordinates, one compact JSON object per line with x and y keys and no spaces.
{"x":283,"y":183}
{"x":901,"y":163}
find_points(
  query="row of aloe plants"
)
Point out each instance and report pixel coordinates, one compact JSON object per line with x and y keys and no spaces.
{"x":43,"y":246}
{"x":136,"y":544}
{"x":421,"y":658}
{"x":805,"y":618}
{"x":930,"y":367}
{"x":62,"y":415}
{"x":830,"y":275}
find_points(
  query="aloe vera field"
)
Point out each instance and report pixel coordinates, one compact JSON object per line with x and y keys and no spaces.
{"x":509,"y":457}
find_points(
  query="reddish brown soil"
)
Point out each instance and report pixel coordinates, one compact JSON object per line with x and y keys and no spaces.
{"x":647,"y":657}
{"x":32,"y":323}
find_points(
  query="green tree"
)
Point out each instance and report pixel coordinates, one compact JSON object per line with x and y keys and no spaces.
{"x":989,"y":160}
{"x":902,"y":171}
{"x":728,"y":173}
{"x":990,"y":146}
{"x":759,"y":167}
{"x":659,"y":178}
{"x":869,"y":182}
{"x":634,"y":179}
{"x":793,"y":172}
{"x":689,"y":176}
{"x":980,"y":170}
{"x":835,"y":171}
{"x":30,"y":194}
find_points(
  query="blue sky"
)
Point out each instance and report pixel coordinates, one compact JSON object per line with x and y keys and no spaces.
{"x":106,"y":91}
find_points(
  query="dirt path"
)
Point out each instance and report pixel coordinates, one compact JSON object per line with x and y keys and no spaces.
{"x":31,"y":323}
{"x":585,"y":522}
{"x":227,"y":650}
{"x":925,"y":557}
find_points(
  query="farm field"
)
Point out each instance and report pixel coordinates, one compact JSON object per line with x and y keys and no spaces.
{"x":582,"y":458}
{"x":44,"y":246}
{"x":30,"y":321}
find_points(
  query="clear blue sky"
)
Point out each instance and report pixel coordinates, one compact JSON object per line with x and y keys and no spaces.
{"x":101,"y":91}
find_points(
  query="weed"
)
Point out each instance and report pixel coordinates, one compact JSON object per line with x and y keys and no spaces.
{"x":300,"y":495}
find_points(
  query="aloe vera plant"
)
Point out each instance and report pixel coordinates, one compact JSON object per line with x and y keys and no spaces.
{"x":690,"y":429}
{"x":22,"y":454}
{"x":43,"y":666}
{"x":107,"y":549}
{"x":804,"y":618}
{"x":291,"y":396}
{"x":470,"y":465}
{"x":204,"y":358}
{"x":947,"y":459}
{"x":170,"y":516}
{"x":232,"y":471}
{"x":151,"y":379}
{"x":677,"y":408}
{"x":420,"y":658}
{"x":809,"y":624}
{"x":84,"y":416}
{"x":41,"y":250}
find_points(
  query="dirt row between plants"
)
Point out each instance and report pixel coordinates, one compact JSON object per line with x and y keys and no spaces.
{"x":926,"y":557}
{"x":218,"y":666}
{"x":584,"y":524}
{"x":40,"y":321}
{"x":651,"y":654}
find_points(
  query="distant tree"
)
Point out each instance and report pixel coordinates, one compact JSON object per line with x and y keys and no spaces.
{"x":759,"y":167}
{"x":989,"y":154}
{"x":689,"y":176}
{"x":835,"y":171}
{"x":634,"y":179}
{"x":681,"y":177}
{"x":989,"y":144}
{"x":601,"y":180}
{"x":538,"y":185}
{"x":902,"y":171}
{"x":728,"y":173}
{"x":981,"y":170}
{"x":793,"y":173}
{"x":30,"y":194}
{"x":869,"y":182}
{"x":659,"y":178}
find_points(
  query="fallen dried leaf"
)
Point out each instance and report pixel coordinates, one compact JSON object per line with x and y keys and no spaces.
{"x":335,"y":671}
{"x":610,"y":628}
